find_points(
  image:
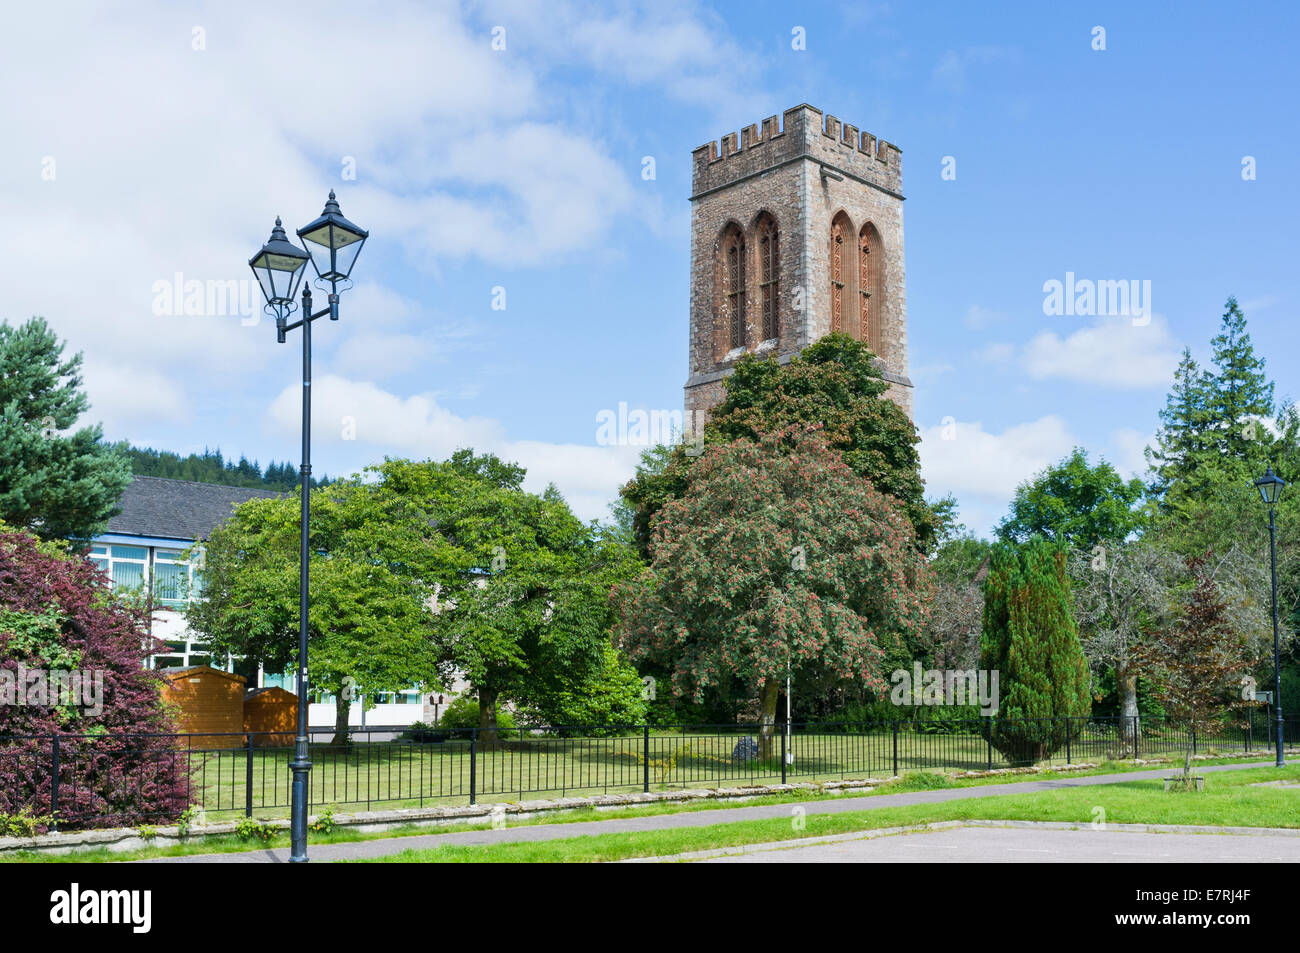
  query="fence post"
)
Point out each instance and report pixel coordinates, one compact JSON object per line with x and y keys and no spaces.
{"x":54,"y":786}
{"x":473,"y":764}
{"x":1067,"y":739}
{"x":895,"y":749}
{"x":988,"y":737}
{"x":783,"y":756}
{"x":645,"y":758}
{"x":248,"y":777}
{"x":1193,"y":741}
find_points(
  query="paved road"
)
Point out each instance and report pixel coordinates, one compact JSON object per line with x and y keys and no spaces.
{"x":385,"y":847}
{"x":1036,"y":845}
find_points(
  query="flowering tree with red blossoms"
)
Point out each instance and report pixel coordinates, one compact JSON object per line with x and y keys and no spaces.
{"x":58,"y":615}
{"x":778,"y":558}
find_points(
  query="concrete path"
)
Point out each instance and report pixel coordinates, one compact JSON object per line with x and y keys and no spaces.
{"x":1019,"y":842}
{"x":542,"y":832}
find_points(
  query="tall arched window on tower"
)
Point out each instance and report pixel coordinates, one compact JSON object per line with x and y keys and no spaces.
{"x":733,"y":284}
{"x":769,"y":276}
{"x":841,"y":270}
{"x":870,"y":303}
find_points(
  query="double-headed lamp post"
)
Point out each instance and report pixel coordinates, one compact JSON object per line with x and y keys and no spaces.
{"x":333,"y":245}
{"x":1270,"y":488}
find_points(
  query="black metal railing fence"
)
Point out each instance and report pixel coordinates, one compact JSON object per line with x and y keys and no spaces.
{"x":99,"y":780}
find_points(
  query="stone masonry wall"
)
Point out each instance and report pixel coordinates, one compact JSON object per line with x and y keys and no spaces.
{"x":802,"y":171}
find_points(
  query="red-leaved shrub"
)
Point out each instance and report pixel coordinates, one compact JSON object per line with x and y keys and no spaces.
{"x":116,"y":767}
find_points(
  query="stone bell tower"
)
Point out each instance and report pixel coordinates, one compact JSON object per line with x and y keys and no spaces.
{"x":796,"y":231}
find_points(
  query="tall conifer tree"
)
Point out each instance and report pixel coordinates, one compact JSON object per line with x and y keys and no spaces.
{"x":1212,"y":432}
{"x":1031,"y":640}
{"x":57,"y":479}
{"x":1240,"y":393}
{"x":1183,"y":437}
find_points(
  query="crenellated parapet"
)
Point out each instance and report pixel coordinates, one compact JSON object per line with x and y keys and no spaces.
{"x":801,"y":132}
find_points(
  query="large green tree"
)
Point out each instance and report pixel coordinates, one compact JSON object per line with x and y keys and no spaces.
{"x":777,"y":559}
{"x":372,"y":572}
{"x":834,"y":383}
{"x":55,"y":481}
{"x":422,"y":570}
{"x":523,"y":590}
{"x":1076,"y":502}
{"x":1030,"y":639}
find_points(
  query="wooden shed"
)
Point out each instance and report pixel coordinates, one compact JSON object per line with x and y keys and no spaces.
{"x":207,"y":702}
{"x":271,"y":710}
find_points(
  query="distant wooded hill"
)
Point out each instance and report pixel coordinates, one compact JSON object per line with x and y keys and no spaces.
{"x":211,"y":467}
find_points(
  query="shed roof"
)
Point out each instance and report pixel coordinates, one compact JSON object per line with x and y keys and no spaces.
{"x":170,"y":674}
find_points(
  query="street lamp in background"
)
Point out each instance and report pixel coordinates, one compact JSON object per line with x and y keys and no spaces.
{"x":333,"y":245}
{"x":1270,"y":488}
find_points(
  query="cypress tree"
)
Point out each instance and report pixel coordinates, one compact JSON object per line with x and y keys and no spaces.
{"x":1030,"y":638}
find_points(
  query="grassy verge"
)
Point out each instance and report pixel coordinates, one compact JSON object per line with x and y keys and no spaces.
{"x":915,"y":781}
{"x":1227,"y":800}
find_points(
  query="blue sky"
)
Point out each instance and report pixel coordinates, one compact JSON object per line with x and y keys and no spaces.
{"x":164,"y":139}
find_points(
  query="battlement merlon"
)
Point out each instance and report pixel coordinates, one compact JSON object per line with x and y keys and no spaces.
{"x":803,"y":132}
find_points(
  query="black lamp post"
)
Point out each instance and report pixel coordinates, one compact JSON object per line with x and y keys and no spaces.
{"x":334,"y":243}
{"x":1270,"y":487}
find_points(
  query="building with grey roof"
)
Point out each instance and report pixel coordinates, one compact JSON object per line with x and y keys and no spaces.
{"x":150,"y":546}
{"x":145,"y":548}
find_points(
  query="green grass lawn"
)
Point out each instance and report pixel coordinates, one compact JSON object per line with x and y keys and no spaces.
{"x":397,"y":775}
{"x":1227,"y":800}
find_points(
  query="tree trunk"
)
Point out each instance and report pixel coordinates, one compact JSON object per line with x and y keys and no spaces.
{"x":767,"y":724}
{"x":487,"y":718}
{"x":1128,"y":681}
{"x":342,"y":706}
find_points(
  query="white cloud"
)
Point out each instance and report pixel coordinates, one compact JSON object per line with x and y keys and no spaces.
{"x":982,"y":469}
{"x":1129,"y":456}
{"x":681,"y":48}
{"x":170,"y":159}
{"x":1260,"y":304}
{"x":418,"y":427}
{"x":378,"y":355}
{"x":1110,"y":353}
{"x":174,"y":159}
{"x":978,"y":317}
{"x":415,"y":425}
{"x":564,"y":190}
{"x":588,"y":476}
{"x":385,"y":334}
{"x":131,"y":396}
